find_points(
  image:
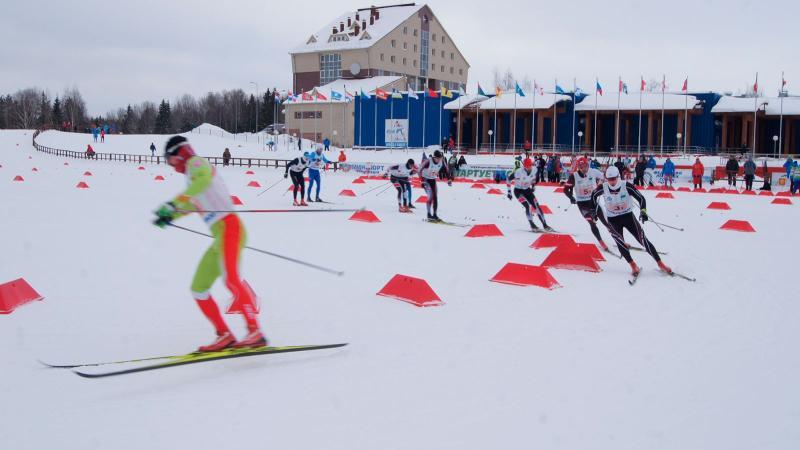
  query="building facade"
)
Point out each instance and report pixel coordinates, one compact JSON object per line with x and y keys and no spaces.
{"x":397,"y":40}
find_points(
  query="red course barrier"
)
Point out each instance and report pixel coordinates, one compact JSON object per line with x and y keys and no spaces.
{"x":525,"y":275}
{"x":412,"y":290}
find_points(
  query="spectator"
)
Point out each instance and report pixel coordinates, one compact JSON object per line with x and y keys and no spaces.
{"x":102,"y":136}
{"x":461,"y":162}
{"x":641,"y":165}
{"x":795,"y":180}
{"x":300,"y":143}
{"x":650,"y":171}
{"x":620,"y":165}
{"x":90,"y":153}
{"x":749,"y":173}
{"x":697,"y":174}
{"x":342,"y":157}
{"x":526,"y":146}
{"x":152,"y":149}
{"x":327,"y":143}
{"x":558,"y":168}
{"x":669,"y":172}
{"x":452,"y":163}
{"x":732,"y":168}
{"x":788,"y":166}
{"x":551,"y":170}
{"x":540,"y":165}
{"x":226,"y":157}
{"x":452,"y":144}
{"x":271,"y":145}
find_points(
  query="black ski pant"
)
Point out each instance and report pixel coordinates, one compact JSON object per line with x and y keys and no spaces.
{"x":528,"y":201}
{"x":748,"y":182}
{"x":403,"y":186}
{"x":620,"y":223}
{"x":592,"y":215}
{"x":429,"y":184}
{"x":732,"y":178}
{"x":298,"y":182}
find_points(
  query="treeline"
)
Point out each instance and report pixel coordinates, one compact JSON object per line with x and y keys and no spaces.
{"x":234,"y":111}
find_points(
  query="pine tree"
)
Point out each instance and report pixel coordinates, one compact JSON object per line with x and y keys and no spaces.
{"x":45,"y":112}
{"x":163,"y":120}
{"x":127,"y":121}
{"x":57,"y":119}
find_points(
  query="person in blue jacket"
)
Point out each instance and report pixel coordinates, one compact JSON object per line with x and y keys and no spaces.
{"x":668,"y":172}
{"x":788,"y":166}
{"x":650,"y":171}
{"x":317,"y":161}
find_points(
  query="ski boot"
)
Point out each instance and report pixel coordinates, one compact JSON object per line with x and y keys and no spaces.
{"x":634,"y":269}
{"x":533,"y":226}
{"x":303,"y":203}
{"x":402,"y":208}
{"x":664,"y":268}
{"x":548,"y":228}
{"x":411,"y":206}
{"x":222,"y":342}
{"x":318,"y":200}
{"x":436,"y":218}
{"x":603,"y":246}
{"x":294,"y":203}
{"x":254,"y":339}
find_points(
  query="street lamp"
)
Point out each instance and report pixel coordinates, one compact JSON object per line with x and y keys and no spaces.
{"x":580,"y":136}
{"x":679,"y":136}
{"x":490,"y":139}
{"x":253,"y":82}
{"x":775,"y":144}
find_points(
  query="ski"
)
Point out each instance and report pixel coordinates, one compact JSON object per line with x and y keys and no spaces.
{"x":443,"y":222}
{"x":640,"y":249}
{"x":542,"y":231}
{"x":189,"y":358}
{"x":632,"y":280}
{"x":612,"y":253}
{"x":679,"y":275}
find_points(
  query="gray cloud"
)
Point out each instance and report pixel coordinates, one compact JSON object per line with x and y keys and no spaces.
{"x":126,"y":52}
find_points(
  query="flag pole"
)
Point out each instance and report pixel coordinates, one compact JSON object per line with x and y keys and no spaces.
{"x":755,"y":113}
{"x":574,"y":98}
{"x":780,"y":126}
{"x":440,"y":137}
{"x":616,"y":126}
{"x":594,"y":128}
{"x":533,"y":118}
{"x":458,"y":127}
{"x":375,"y":128}
{"x":686,"y":117}
{"x":408,"y":116}
{"x":514,"y":125}
{"x":639,"y":139}
{"x":344,"y":119}
{"x":555,"y":113}
{"x":494,"y":131}
{"x":302,"y":118}
{"x":663,"y":88}
{"x":424,"y":107}
{"x":477,"y":120}
{"x":330,"y":113}
{"x":360,"y":116}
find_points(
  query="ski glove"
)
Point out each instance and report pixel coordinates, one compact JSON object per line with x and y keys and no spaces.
{"x":643,"y":216}
{"x":165,"y":214}
{"x":572,"y":200}
{"x":508,"y":194}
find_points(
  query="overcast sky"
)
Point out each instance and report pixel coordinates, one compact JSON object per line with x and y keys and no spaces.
{"x":119,"y":52}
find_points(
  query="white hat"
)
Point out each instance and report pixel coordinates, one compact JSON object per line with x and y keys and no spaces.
{"x":612,"y":172}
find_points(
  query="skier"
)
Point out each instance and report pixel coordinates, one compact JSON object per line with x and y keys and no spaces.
{"x":583,"y":182}
{"x":207,"y":192}
{"x":428,"y":172}
{"x":618,"y":196}
{"x":152,"y":149}
{"x":316,"y":162}
{"x":697,"y":174}
{"x":398,"y":175}
{"x":524,"y":185}
{"x":296,"y":167}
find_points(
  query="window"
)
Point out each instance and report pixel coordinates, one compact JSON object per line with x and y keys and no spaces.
{"x":297,"y":115}
{"x":415,"y":63}
{"x":391,"y":58}
{"x":442,"y":39}
{"x":415,"y":31}
{"x":461,"y":71}
{"x":330,"y":67}
{"x":442,"y":53}
{"x":405,"y":30}
{"x":404,"y":61}
{"x":381,"y":56}
{"x":415,"y":48}
{"x":394,"y":43}
{"x":423,"y":54}
{"x":433,"y":67}
{"x":452,"y":56}
{"x":441,"y":69}
{"x":405,"y":46}
{"x":451,"y":71}
{"x":433,"y":37}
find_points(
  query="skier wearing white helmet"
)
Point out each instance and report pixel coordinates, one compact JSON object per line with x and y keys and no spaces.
{"x":618,"y":196}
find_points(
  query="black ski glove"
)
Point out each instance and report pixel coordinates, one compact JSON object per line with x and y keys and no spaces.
{"x":643,"y":216}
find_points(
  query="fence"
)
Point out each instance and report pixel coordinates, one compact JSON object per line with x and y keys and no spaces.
{"x":144,"y":159}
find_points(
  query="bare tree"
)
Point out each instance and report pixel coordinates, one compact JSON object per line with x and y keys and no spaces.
{"x":25,"y":108}
{"x":74,"y":108}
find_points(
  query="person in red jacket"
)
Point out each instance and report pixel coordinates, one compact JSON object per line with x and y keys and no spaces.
{"x":342,"y":157}
{"x":697,"y":174}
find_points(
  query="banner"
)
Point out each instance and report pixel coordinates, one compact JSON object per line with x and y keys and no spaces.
{"x":366,"y":168}
{"x":396,"y":133}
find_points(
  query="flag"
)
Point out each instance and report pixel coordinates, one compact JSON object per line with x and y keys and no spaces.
{"x":336,"y":96}
{"x":625,"y":88}
{"x":559,"y":90}
{"x":498,"y":92}
{"x":446,"y":93}
{"x":412,"y":94}
{"x":396,"y":94}
{"x":783,"y":82}
{"x":364,"y":95}
{"x":432,"y":93}
{"x":519,"y":90}
{"x":320,"y":96}
{"x":460,"y":92}
{"x":480,"y":91}
{"x":536,"y":87}
{"x":755,"y":85}
{"x":306,"y":96}
{"x":348,"y":95}
{"x":277,"y":96}
{"x":685,"y":85}
{"x":578,"y":91}
{"x":663,"y":84}
{"x":381,"y":94}
{"x":598,"y":88}
{"x":644,"y":85}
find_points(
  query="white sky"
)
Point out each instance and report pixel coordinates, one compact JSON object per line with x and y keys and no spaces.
{"x":126,"y":52}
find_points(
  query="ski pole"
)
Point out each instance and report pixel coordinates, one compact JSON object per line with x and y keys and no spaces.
{"x":372,"y":189}
{"x":665,"y":225}
{"x":384,"y":189}
{"x":272,"y":186}
{"x":657,"y":225}
{"x":287,"y":258}
{"x":272,"y":211}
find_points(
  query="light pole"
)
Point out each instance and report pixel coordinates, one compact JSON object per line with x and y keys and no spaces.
{"x":679,"y":136}
{"x":490,"y":138}
{"x":256,"y":128}
{"x":275,"y":132}
{"x":775,"y":145}
{"x":300,"y":147}
{"x":580,"y":136}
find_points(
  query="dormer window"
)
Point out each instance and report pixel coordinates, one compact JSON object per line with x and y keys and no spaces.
{"x":338,"y":38}
{"x":365,"y":36}
{"x":311,"y":40}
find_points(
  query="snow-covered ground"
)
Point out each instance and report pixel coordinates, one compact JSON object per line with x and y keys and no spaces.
{"x":596,"y":364}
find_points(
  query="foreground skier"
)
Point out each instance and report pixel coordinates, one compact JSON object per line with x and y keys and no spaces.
{"x":429,"y":171}
{"x":398,"y":176}
{"x":618,"y":196}
{"x":296,"y":168}
{"x":582,"y":183}
{"x":523,"y":182}
{"x":207,"y":192}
